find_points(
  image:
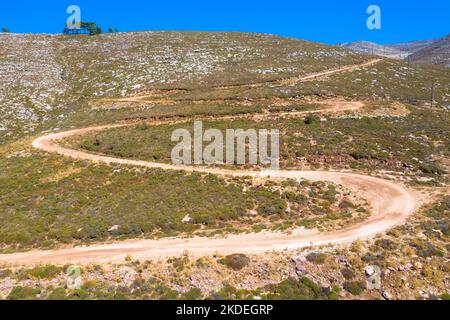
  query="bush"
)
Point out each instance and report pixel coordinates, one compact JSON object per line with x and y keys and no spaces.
{"x":179,"y":263}
{"x":355,"y":287}
{"x":432,"y":168}
{"x":426,"y":249}
{"x":237,"y":262}
{"x":5,"y":273}
{"x":360,"y":154}
{"x":373,"y":258}
{"x":347,"y":273}
{"x":301,"y":289}
{"x":43,"y":272}
{"x":193,"y":294}
{"x":58,"y":294}
{"x":166,"y":293}
{"x":316,"y":257}
{"x":311,"y":119}
{"x":23,"y":293}
{"x":386,"y":244}
{"x":445,"y":296}
{"x":346,"y":204}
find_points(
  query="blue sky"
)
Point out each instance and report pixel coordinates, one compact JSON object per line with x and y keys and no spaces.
{"x":328,"y":21}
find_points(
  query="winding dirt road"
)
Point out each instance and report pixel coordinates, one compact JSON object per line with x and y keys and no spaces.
{"x":390,"y":202}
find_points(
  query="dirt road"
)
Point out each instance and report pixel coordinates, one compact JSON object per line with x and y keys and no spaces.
{"x":390,"y":202}
{"x":291,"y":81}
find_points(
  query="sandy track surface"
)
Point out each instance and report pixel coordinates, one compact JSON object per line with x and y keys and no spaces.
{"x":391,"y":204}
{"x":298,"y":79}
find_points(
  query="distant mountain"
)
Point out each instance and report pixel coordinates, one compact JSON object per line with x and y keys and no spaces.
{"x":435,"y":51}
{"x":412,"y":46}
{"x":375,"y":49}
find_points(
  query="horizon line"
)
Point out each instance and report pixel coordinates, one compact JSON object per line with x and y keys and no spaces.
{"x":222,"y":31}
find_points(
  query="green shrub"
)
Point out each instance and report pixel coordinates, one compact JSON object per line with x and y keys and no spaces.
{"x":23,"y":293}
{"x":426,"y":249}
{"x":310,"y":119}
{"x":354,"y":287}
{"x":79,"y":294}
{"x":237,"y":262}
{"x":348,"y":273}
{"x":42,"y":272}
{"x":431,"y":168}
{"x":193,"y":294}
{"x":301,"y":289}
{"x":57,"y":294}
{"x":346,"y":204}
{"x":5,"y":273}
{"x":386,"y":244}
{"x":316,"y":257}
{"x":166,"y":293}
{"x":360,"y":154}
{"x":445,"y":296}
{"x":179,"y":263}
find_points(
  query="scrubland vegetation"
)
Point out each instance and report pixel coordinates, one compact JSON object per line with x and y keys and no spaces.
{"x":48,"y":200}
{"x":63,"y":74}
{"x":411,"y":258}
{"x":53,"y":83}
{"x":405,"y":144}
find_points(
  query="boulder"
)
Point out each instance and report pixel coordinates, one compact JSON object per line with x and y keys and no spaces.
{"x":187,"y":219}
{"x":386,"y":295}
{"x":369,"y":270}
{"x":114,"y":228}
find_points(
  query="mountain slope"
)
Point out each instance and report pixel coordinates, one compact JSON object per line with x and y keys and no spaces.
{"x":412,"y":46}
{"x":45,"y":77}
{"x":433,"y":51}
{"x":436,"y":53}
{"x":374,"y":49}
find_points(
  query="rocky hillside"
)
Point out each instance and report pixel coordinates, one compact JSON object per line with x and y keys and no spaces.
{"x":436,"y":53}
{"x":375,"y":49}
{"x":47,"y":77}
{"x":412,"y":46}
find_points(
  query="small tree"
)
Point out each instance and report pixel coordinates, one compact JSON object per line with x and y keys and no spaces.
{"x":93,"y":28}
{"x":6,"y":30}
{"x":90,"y":28}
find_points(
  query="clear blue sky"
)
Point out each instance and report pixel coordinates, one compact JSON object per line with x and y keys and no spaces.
{"x":328,"y":21}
